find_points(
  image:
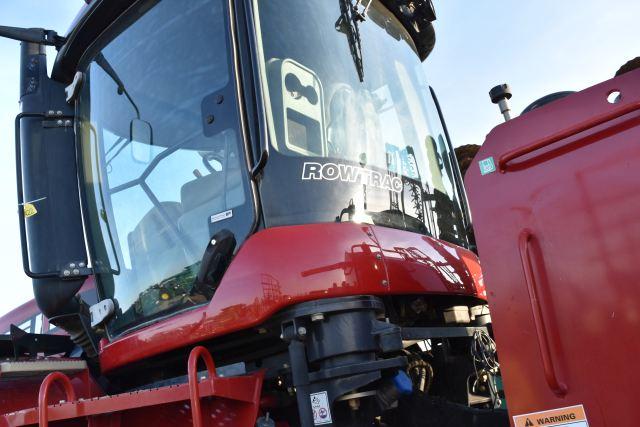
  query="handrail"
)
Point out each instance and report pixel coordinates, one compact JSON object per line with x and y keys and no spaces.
{"x":566,"y":133}
{"x":192,"y":374}
{"x":551,"y":376}
{"x":43,"y":395}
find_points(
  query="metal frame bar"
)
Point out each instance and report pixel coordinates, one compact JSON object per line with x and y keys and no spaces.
{"x":440,"y":332}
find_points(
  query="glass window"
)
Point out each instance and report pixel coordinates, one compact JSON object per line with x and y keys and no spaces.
{"x":162,"y":155}
{"x":38,"y":324}
{"x":364,"y":138}
{"x":26,"y":326}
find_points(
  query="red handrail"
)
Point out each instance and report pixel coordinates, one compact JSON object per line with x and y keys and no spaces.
{"x":551,"y":376}
{"x":194,"y":393}
{"x":43,"y":395}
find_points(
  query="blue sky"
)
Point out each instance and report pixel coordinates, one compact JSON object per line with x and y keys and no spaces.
{"x":538,"y":47}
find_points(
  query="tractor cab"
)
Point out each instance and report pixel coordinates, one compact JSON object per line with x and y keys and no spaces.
{"x":169,"y":150}
{"x":252,"y":176}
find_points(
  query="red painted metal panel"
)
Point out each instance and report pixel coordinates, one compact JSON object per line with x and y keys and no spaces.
{"x":21,"y":392}
{"x":558,"y":230}
{"x":282,"y":266}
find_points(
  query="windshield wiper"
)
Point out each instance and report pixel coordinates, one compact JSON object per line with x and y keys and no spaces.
{"x":348,"y":24}
{"x":107,"y":68}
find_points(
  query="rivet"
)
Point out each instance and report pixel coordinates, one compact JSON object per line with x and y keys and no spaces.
{"x":385,"y":282}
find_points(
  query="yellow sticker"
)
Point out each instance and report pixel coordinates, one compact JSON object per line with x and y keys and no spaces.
{"x":573,"y":416}
{"x":29,"y":210}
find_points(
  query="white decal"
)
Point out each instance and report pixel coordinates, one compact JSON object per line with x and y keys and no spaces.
{"x":321,"y":408}
{"x":221,"y":216}
{"x":350,"y":173}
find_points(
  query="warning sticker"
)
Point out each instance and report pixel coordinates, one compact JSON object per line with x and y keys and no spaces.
{"x":572,"y":416}
{"x":29,"y":210}
{"x":321,"y":408}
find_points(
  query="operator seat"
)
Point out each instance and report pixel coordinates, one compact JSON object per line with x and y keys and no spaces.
{"x":155,"y":250}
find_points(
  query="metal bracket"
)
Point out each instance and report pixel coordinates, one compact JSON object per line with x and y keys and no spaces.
{"x":360,"y":10}
{"x":101,"y":311}
{"x":73,"y":270}
{"x":73,"y":90}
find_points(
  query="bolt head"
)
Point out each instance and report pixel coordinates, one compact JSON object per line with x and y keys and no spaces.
{"x":302,"y":331}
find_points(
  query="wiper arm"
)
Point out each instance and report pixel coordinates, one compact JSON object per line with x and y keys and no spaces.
{"x":348,"y":23}
{"x":104,"y":64}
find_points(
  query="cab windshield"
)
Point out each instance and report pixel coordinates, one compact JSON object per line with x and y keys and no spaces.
{"x":355,"y":131}
{"x":162,"y":157}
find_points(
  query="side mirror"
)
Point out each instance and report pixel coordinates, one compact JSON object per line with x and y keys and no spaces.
{"x":141,"y":137}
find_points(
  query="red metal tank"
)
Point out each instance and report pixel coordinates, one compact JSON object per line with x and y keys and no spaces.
{"x":558,"y":232}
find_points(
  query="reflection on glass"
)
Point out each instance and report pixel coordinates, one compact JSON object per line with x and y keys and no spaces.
{"x":382,"y":121}
{"x":153,"y":178}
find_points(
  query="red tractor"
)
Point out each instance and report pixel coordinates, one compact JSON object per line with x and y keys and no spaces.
{"x":269,"y":187}
{"x":264,"y":184}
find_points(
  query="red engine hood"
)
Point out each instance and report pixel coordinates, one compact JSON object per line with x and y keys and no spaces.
{"x":282,"y":266}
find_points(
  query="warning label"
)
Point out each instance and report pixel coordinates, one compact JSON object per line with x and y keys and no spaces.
{"x":321,"y":408}
{"x":572,"y":416}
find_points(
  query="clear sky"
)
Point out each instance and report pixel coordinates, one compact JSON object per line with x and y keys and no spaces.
{"x":538,"y":47}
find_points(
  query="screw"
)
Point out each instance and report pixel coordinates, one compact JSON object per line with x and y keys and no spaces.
{"x":302,"y":331}
{"x":72,"y":265}
{"x":81,"y":265}
{"x":385,"y":282}
{"x":378,"y":256}
{"x":59,"y":112}
{"x":76,"y":272}
{"x":59,"y":122}
{"x":210,"y":119}
{"x":66,"y":273}
{"x":67,"y":122}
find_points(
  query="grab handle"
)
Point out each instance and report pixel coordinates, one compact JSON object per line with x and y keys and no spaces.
{"x":192,"y":374}
{"x":43,"y":395}
{"x":546,"y":351}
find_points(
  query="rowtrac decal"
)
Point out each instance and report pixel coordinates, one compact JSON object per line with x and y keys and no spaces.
{"x":349,"y":173}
